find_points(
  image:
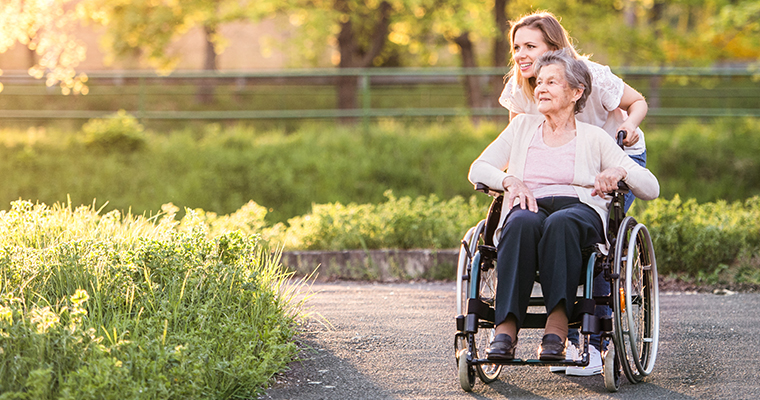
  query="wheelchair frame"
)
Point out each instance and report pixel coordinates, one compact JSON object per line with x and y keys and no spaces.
{"x":630,"y":267}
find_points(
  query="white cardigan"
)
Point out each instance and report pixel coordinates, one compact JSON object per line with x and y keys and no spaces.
{"x":595,"y":151}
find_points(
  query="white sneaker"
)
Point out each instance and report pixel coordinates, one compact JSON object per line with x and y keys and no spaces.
{"x":571,"y":353}
{"x":594,"y":365}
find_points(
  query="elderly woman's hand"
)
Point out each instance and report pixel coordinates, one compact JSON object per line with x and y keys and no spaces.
{"x":516,"y":189}
{"x":607,"y":180}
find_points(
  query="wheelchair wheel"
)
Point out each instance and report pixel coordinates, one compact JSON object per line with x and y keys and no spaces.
{"x":487,"y":292}
{"x":466,"y":372}
{"x":486,"y":332}
{"x":611,"y":370}
{"x":636,"y":300}
{"x":464,"y":266}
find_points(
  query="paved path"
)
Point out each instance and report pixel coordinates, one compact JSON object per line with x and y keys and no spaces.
{"x":395,"y":341}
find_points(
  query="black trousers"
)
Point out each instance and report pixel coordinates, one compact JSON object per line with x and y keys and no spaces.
{"x":549,"y":241}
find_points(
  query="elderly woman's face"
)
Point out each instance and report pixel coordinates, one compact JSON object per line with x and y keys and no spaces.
{"x":553,"y":94}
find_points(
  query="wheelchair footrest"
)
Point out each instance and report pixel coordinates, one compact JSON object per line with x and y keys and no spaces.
{"x":531,"y":361}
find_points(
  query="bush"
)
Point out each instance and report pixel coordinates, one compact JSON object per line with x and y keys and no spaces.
{"x":218,"y":169}
{"x":119,"y":133}
{"x":398,"y":223}
{"x":707,"y":162}
{"x":701,"y":239}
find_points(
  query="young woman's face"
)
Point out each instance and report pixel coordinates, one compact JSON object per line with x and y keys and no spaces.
{"x":528,"y":45}
{"x":553,"y":93}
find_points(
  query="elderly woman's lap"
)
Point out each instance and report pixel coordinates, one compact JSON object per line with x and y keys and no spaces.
{"x":549,"y":241}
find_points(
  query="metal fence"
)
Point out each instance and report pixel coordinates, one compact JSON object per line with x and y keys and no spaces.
{"x":672,"y":93}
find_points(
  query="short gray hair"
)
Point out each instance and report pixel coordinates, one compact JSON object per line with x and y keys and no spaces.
{"x":577,"y":73}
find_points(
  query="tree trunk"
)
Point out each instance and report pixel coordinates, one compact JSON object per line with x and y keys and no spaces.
{"x":347,"y":86}
{"x":500,"y":53}
{"x":350,"y":56}
{"x":206,"y":87}
{"x":655,"y":81}
{"x":471,"y":82}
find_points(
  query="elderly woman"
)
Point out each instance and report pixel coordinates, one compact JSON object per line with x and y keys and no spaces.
{"x":613,"y":106}
{"x":558,"y":171}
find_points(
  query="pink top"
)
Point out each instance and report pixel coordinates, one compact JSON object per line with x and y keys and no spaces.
{"x":549,"y":171}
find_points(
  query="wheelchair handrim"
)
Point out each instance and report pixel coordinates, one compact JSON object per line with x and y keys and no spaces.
{"x":640,"y":231}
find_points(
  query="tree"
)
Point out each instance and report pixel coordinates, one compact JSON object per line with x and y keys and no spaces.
{"x":466,"y":24}
{"x":45,"y":27}
{"x":736,"y":30}
{"x":364,"y":34}
{"x":147,"y":28}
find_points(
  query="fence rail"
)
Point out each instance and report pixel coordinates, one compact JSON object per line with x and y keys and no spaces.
{"x":382,"y":92}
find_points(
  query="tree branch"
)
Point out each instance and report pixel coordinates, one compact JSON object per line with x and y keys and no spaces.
{"x":379,"y":36}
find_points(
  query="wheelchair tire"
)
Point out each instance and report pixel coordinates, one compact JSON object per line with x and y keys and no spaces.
{"x":464,"y":265}
{"x":471,"y":238}
{"x":487,"y":292}
{"x":486,"y":330}
{"x":611,"y":371}
{"x":466,"y":372}
{"x":636,"y":300}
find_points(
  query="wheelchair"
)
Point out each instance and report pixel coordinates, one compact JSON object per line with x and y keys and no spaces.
{"x":630,"y":268}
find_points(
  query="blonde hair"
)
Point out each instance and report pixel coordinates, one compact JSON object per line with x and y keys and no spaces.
{"x":554,"y":34}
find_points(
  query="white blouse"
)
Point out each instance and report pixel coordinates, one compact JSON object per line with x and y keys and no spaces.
{"x":601,"y":107}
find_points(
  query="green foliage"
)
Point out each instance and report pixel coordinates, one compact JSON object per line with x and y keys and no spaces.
{"x":122,"y":307}
{"x":218,"y":169}
{"x":701,"y":239}
{"x":398,"y":223}
{"x":119,"y":133}
{"x":672,"y":33}
{"x":708,"y":162}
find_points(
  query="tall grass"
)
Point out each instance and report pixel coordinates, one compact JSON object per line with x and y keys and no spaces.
{"x":120,"y":306}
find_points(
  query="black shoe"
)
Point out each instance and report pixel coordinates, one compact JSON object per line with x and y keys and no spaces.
{"x":501,"y":348}
{"x":552,"y":348}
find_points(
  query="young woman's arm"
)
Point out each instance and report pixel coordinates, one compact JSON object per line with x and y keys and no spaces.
{"x":636,"y":106}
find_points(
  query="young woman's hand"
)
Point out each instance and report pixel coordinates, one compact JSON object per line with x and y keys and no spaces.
{"x":631,"y":136}
{"x":516,"y":189}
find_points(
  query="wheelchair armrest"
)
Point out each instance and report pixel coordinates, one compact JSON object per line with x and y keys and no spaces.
{"x":482,"y":187}
{"x":623,"y":187}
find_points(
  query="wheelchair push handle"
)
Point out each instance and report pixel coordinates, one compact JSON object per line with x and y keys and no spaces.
{"x":621,"y":135}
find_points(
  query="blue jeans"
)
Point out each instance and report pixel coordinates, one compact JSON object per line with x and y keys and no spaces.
{"x":601,"y":286}
{"x":640,"y":159}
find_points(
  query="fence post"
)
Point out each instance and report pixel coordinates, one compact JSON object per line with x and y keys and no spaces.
{"x":141,"y":99}
{"x":366,"y":98}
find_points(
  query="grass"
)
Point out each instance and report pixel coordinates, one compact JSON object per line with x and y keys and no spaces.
{"x":101,"y":306}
